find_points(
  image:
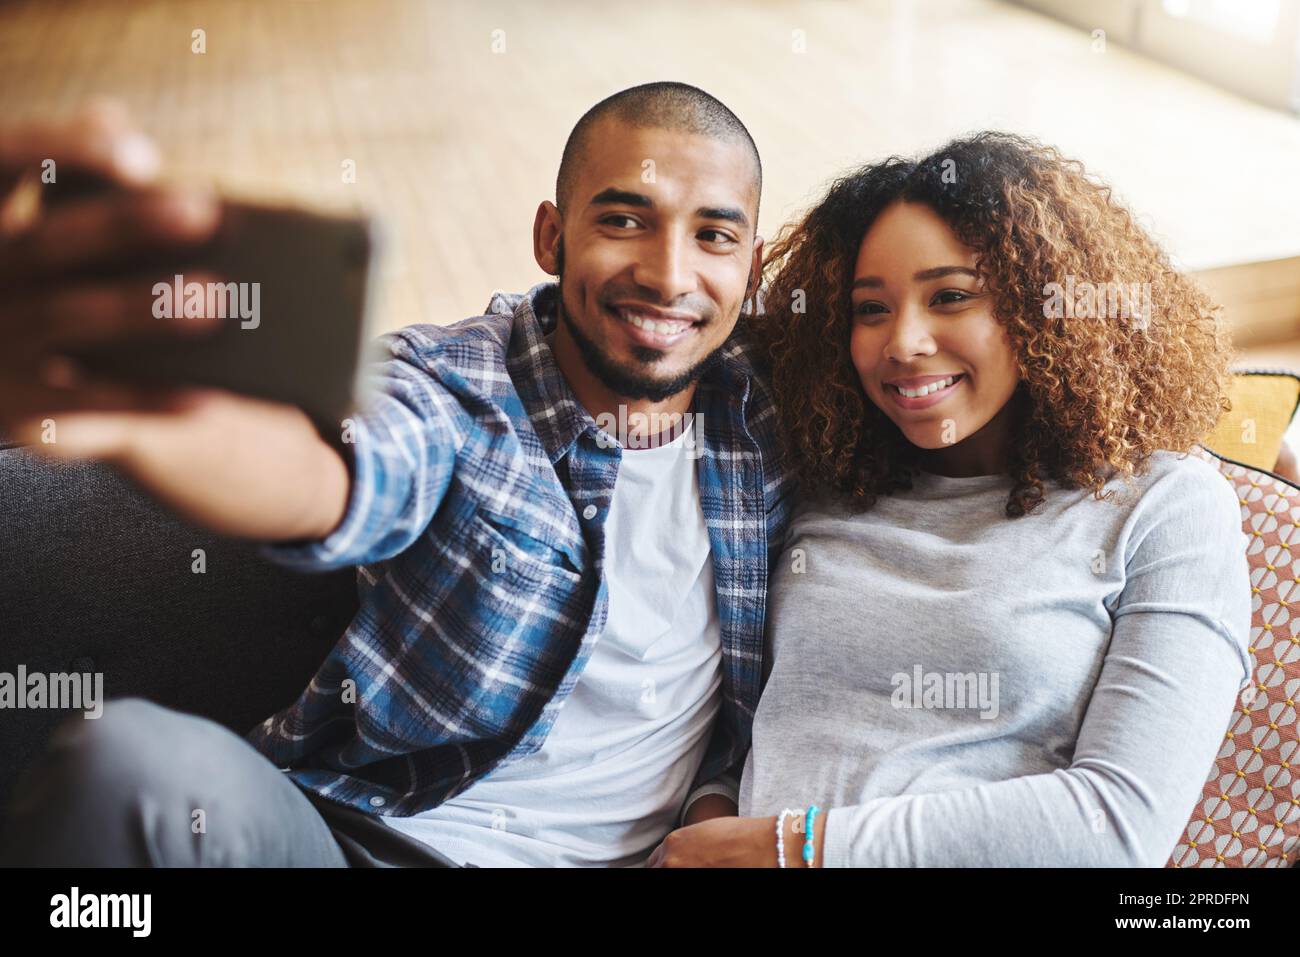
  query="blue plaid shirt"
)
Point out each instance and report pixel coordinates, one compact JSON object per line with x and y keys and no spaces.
{"x":476,"y":519}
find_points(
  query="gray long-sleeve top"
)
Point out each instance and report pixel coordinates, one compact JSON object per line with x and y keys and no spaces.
{"x":964,"y":689}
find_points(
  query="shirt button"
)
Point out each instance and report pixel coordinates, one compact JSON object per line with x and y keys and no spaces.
{"x":376,"y":801}
{"x":589,"y":512}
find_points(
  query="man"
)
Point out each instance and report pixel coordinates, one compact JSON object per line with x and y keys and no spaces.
{"x":558,"y":650}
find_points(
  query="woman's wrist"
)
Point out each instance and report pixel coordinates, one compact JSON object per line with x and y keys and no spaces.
{"x":793,"y":838}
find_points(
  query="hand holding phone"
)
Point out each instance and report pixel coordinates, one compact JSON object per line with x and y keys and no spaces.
{"x":83,"y":278}
{"x":47,"y":306}
{"x":287,"y":295}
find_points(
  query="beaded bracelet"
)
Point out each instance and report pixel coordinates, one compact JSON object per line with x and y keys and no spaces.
{"x":808,"y":835}
{"x":780,"y":835}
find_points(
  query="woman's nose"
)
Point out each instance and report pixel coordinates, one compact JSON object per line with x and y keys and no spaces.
{"x":910,"y":336}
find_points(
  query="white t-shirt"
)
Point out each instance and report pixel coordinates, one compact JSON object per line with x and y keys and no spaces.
{"x":608,"y":781}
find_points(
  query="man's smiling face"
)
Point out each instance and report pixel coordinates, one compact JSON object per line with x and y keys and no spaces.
{"x":655,"y":255}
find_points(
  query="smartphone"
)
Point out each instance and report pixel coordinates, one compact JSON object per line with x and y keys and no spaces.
{"x":296,"y":307}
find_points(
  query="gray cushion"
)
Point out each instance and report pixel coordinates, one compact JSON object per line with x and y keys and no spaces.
{"x":96,"y":577}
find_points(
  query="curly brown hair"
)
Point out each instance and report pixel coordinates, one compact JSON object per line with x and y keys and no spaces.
{"x":1095,"y":398}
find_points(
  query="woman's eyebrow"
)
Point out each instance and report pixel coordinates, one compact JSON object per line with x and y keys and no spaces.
{"x":938,"y":272}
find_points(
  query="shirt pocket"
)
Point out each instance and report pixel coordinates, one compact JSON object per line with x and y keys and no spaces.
{"x":517,"y":555}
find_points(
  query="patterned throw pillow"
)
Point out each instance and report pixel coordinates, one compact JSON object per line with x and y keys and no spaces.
{"x":1249,"y":811}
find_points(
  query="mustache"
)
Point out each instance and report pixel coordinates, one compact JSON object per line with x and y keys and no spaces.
{"x":704,"y":312}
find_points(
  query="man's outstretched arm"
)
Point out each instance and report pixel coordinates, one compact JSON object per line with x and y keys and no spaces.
{"x":240,"y":466}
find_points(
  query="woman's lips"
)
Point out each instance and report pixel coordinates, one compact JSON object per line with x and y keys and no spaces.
{"x":925,"y":401}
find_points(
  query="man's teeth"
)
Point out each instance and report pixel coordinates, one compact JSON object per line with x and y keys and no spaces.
{"x":927,"y":389}
{"x":651,"y":325}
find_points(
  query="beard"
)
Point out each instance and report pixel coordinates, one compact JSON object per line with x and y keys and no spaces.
{"x":627,"y":380}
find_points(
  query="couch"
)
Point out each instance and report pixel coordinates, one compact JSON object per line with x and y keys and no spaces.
{"x":94,"y":577}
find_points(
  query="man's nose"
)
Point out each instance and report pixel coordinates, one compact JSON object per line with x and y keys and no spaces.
{"x":664,"y":267}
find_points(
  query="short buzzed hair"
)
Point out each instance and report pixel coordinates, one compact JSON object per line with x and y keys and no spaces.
{"x":666,"y":105}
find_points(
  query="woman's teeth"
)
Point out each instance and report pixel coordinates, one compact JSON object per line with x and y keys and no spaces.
{"x":927,"y":389}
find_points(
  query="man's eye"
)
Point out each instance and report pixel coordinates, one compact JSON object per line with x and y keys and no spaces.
{"x":722,"y":237}
{"x":618,"y":220}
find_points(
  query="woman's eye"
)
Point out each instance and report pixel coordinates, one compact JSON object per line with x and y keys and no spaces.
{"x":949,"y":296}
{"x":869,"y":308}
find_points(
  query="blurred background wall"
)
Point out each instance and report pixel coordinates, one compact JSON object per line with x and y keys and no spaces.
{"x":453,"y":113}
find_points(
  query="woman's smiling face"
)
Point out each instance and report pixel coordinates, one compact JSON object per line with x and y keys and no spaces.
{"x":921,"y":315}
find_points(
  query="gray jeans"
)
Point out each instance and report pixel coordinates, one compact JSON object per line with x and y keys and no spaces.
{"x":144,"y":786}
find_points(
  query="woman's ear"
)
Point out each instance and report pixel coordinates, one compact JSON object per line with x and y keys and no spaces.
{"x":548,"y":230}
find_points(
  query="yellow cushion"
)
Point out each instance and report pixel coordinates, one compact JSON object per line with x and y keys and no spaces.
{"x":1263,"y":404}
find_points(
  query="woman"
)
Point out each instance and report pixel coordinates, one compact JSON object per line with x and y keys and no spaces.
{"x":1011,"y":619}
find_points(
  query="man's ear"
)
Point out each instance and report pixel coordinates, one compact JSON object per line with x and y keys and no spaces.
{"x":548,"y":229}
{"x":755,"y":269}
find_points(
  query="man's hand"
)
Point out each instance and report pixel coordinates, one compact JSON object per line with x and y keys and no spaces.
{"x":720,"y":842}
{"x":239,"y":466}
{"x":65,"y":278}
{"x":737,"y":842}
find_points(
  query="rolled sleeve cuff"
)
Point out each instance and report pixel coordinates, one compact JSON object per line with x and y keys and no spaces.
{"x":835,"y":839}
{"x":726,"y":786}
